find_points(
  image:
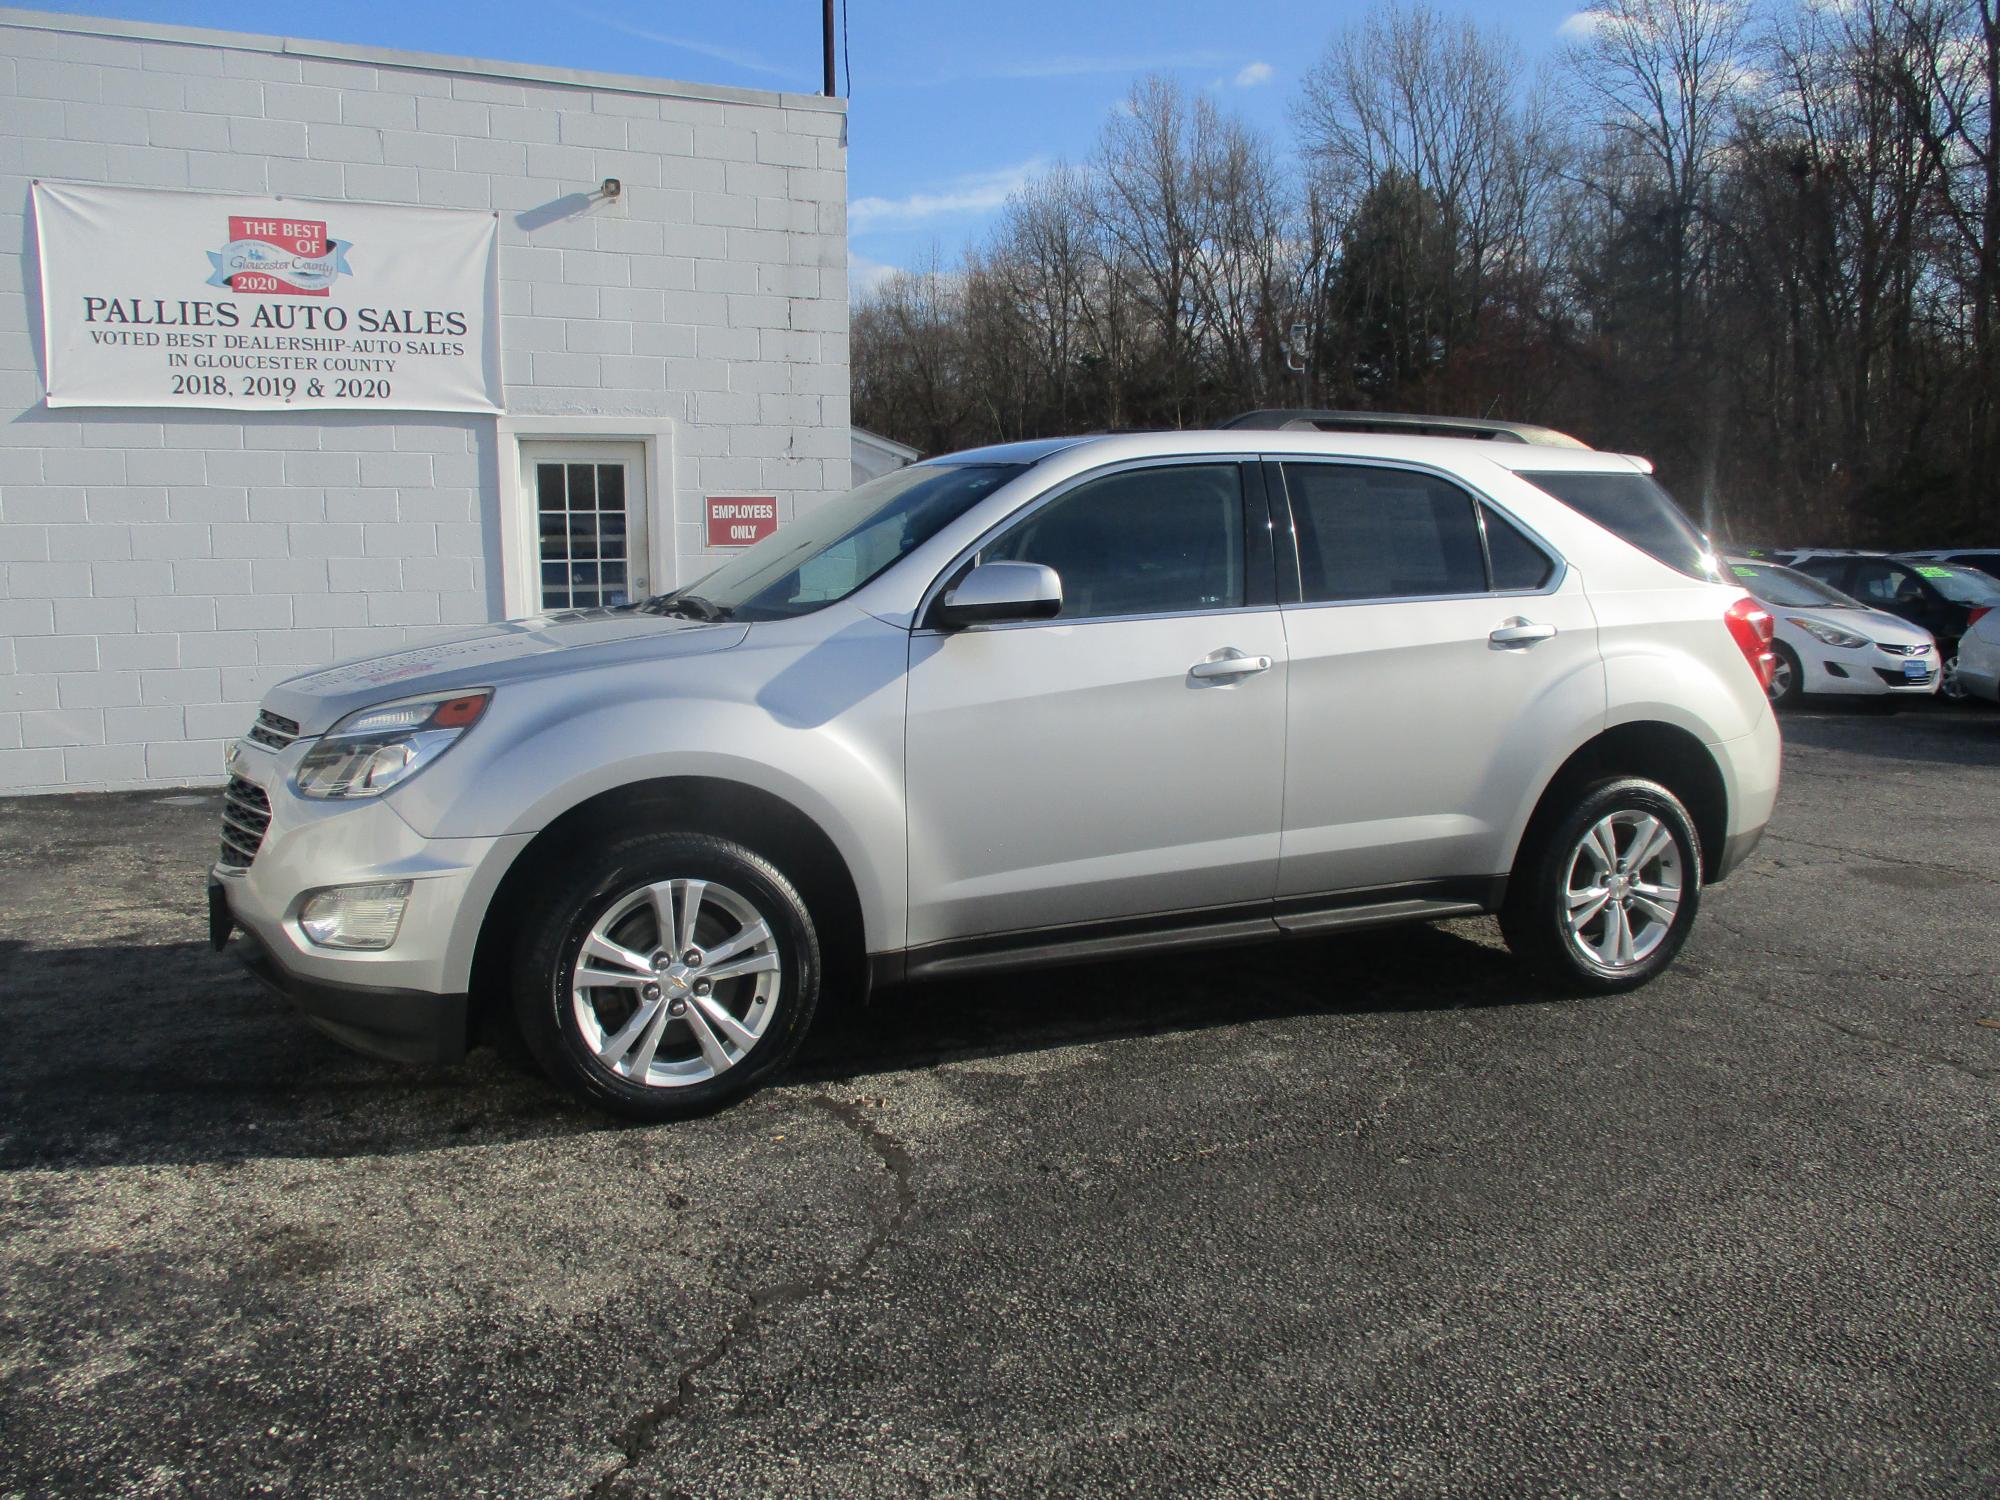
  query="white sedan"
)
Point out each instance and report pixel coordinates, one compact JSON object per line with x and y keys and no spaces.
{"x":1827,"y":643}
{"x":1979,"y":657}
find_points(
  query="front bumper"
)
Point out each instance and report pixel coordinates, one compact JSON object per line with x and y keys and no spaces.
{"x":403,"y":1025}
{"x":1869,"y":673}
{"x":405,"y":1001}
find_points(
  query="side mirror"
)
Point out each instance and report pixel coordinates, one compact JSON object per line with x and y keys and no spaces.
{"x":996,"y":592}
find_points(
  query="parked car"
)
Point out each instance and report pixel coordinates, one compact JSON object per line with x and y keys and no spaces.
{"x":1979,"y":658}
{"x":1943,"y":600}
{"x":1827,"y":643}
{"x":1986,"y":559}
{"x":1032,"y":704}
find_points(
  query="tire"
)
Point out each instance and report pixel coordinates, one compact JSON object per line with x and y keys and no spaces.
{"x":1536,"y":920}
{"x":657,"y":1040}
{"x":1788,"y":678}
{"x":1949,"y":687}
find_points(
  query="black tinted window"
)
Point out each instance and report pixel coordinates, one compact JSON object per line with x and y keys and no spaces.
{"x":1825,"y":569}
{"x":1147,"y":542}
{"x":1635,"y":508}
{"x":1382,"y":534}
{"x":1517,"y":562}
{"x":1884,"y":583}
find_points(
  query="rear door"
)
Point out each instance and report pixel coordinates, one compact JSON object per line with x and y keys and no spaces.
{"x":1438,"y":648}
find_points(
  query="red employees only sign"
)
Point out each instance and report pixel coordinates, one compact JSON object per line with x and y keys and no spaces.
{"x":739,"y":520}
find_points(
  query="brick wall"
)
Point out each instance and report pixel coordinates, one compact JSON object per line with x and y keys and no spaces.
{"x":159,"y":569}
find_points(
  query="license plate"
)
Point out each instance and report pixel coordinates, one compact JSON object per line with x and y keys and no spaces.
{"x":1916,"y":669}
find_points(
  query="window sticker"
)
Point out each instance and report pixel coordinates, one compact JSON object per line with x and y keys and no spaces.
{"x":1744,"y":572}
{"x":1937,"y":572}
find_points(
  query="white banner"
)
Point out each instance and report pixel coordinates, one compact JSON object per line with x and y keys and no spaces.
{"x":266,"y":304}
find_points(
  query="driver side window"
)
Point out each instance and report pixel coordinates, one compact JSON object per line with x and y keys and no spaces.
{"x":1166,"y":540}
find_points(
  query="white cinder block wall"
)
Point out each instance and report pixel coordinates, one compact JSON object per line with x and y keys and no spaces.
{"x":159,"y":569}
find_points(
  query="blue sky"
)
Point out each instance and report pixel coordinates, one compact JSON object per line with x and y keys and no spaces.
{"x":953,"y":104}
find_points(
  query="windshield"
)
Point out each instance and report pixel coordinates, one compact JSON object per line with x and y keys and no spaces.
{"x":1635,"y":508}
{"x":1963,"y":585}
{"x":830,"y":552}
{"x":1789,"y":590}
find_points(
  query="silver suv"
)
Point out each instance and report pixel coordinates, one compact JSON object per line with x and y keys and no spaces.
{"x":1024,"y":705}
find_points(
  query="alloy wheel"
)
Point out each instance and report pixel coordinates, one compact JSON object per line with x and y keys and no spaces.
{"x":676,"y":982}
{"x":1781,"y":678}
{"x":1948,"y":684}
{"x":1623,"y":889}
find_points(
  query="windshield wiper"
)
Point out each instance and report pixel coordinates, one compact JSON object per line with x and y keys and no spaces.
{"x":690,"y":606}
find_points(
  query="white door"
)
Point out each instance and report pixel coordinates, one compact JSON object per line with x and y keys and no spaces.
{"x":591,"y":534}
{"x":1434,"y":649}
{"x":1080,"y":769}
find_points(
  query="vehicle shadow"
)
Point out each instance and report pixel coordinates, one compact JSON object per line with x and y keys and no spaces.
{"x":130,"y":1055}
{"x":1932,"y":733}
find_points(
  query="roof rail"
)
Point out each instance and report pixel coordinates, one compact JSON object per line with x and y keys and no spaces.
{"x":1278,"y":419}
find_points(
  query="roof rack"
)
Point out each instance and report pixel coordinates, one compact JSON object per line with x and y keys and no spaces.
{"x":1278,"y":419}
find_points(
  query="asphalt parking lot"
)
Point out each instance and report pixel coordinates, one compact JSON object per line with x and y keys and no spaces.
{"x":1365,"y":1216}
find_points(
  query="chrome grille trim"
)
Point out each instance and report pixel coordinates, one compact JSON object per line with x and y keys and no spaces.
{"x":246,"y":815}
{"x":1923,"y":650}
{"x":274,"y":731}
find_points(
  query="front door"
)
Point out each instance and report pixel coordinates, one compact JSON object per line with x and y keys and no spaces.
{"x":1120,"y":760}
{"x":590,"y":523}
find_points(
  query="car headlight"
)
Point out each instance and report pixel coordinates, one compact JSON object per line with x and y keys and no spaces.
{"x":1828,"y":635}
{"x":376,"y":748}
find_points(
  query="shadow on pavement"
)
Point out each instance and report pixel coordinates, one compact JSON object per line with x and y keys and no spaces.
{"x":1929,"y":733}
{"x":162,"y":1054}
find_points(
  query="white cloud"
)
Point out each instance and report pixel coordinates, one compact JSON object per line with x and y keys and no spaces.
{"x":865,"y":276}
{"x":977,"y":193}
{"x":1580,"y":25}
{"x":750,"y":62}
{"x":1252,"y":74}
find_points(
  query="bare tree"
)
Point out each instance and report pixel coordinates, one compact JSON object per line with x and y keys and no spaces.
{"x":1666,"y":77}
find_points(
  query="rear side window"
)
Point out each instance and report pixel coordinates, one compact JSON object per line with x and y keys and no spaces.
{"x":1517,"y":562}
{"x":1635,"y":508}
{"x":1367,"y":533}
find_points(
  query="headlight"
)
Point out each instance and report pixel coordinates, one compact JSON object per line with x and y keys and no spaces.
{"x":374,"y":749}
{"x":1828,"y":635}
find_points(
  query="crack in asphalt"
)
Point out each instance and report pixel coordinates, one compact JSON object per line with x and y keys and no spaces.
{"x":642,"y":1433}
{"x":1819,"y":971}
{"x":1875,"y":856}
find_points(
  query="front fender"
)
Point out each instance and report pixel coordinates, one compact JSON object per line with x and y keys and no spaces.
{"x":820,"y":728}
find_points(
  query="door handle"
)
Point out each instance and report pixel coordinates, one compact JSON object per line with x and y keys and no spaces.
{"x":1234,"y":665}
{"x":1520,"y":632}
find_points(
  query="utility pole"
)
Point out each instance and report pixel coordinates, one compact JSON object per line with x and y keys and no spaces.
{"x":826,"y":32}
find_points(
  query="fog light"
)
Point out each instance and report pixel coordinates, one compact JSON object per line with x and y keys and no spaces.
{"x":355,"y":916}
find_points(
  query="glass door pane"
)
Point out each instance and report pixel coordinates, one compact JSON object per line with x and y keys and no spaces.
{"x":586,"y":530}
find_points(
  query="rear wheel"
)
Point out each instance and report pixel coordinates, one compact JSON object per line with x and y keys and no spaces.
{"x":666,"y":974}
{"x":1948,"y":684}
{"x":1605,"y":897}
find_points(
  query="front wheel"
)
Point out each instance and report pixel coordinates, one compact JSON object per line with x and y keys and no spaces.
{"x":666,"y":974}
{"x":1603,"y":899}
{"x":1787,"y":677}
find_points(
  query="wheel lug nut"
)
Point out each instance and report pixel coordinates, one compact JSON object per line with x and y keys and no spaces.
{"x":692,"y":957}
{"x":651,"y":992}
{"x":677,"y":1007}
{"x":702,"y":986}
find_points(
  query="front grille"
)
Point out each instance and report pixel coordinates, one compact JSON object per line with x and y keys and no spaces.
{"x":274,"y":731}
{"x":246,"y":813}
{"x":1897,"y":679}
{"x":1923,"y":650}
